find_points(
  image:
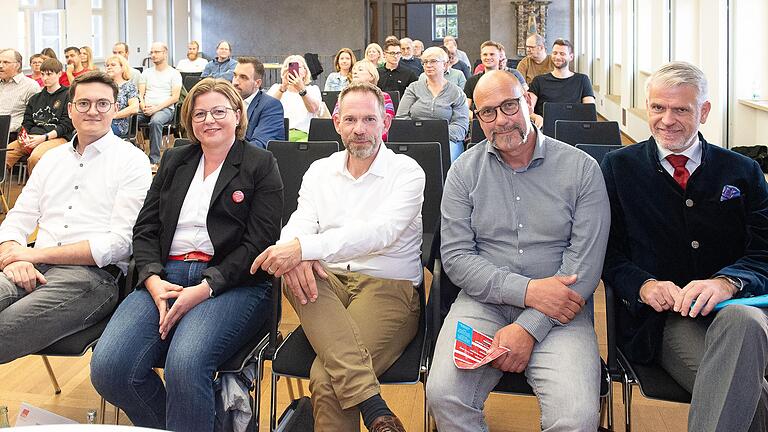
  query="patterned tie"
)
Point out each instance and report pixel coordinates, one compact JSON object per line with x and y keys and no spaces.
{"x":681,"y":174}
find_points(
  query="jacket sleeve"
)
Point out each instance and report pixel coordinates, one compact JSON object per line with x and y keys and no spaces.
{"x":270,"y":124}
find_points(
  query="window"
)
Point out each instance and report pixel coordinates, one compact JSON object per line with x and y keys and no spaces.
{"x":445,"y":21}
{"x":21,"y":41}
{"x":150,"y":23}
{"x":97,"y":29}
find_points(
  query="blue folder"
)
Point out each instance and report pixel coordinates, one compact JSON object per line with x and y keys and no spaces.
{"x":757,"y":301}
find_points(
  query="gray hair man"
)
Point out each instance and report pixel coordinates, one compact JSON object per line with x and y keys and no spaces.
{"x":15,"y":88}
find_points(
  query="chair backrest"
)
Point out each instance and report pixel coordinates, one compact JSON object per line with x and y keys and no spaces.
{"x":330,"y":98}
{"x":395,"y":95}
{"x":5,"y":131}
{"x":133,"y":128}
{"x":293,"y":159}
{"x":554,"y":111}
{"x":189,"y":79}
{"x":477,"y":132}
{"x":598,"y":151}
{"x":286,"y":128}
{"x":423,"y":131}
{"x":322,"y":129}
{"x":427,"y":154}
{"x":587,"y":132}
{"x":178,"y":142}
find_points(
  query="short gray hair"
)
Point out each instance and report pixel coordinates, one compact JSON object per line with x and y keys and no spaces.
{"x":679,"y":73}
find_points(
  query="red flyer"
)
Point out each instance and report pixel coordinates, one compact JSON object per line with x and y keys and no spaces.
{"x":473,"y":349}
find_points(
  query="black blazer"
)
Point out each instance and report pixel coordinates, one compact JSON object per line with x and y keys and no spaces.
{"x":238,"y":231}
{"x":660,"y":231}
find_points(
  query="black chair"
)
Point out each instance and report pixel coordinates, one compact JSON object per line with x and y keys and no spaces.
{"x":395,"y":95}
{"x":286,"y":128}
{"x":321,"y":129}
{"x":189,"y":79}
{"x":653,"y":381}
{"x":178,"y":142}
{"x":587,"y":132}
{"x":405,"y":131}
{"x":133,"y":129}
{"x":428,"y":156}
{"x":5,"y":130}
{"x":598,"y":151}
{"x":443,"y":293}
{"x":477,"y":132}
{"x":293,"y":160}
{"x":554,"y":111}
{"x":330,"y":98}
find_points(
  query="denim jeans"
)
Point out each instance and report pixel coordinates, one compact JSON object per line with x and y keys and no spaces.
{"x":74,"y":298}
{"x":155,"y":124}
{"x":210,"y":333}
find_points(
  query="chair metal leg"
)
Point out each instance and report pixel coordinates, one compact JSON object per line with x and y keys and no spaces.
{"x":51,"y":375}
{"x":102,"y":411}
{"x":627,"y":390}
{"x":273,"y":405}
{"x":256,"y":407}
{"x":609,"y":411}
{"x":117,"y":416}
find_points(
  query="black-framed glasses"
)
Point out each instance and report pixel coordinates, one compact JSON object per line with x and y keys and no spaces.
{"x":84,"y":105}
{"x":393,"y":53}
{"x":509,"y":107}
{"x":217,"y":112}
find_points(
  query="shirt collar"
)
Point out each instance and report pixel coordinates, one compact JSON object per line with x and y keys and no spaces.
{"x":16,"y":78}
{"x":539,"y":151}
{"x":377,"y":168}
{"x":100,"y":145}
{"x":693,"y":152}
{"x":249,"y":99}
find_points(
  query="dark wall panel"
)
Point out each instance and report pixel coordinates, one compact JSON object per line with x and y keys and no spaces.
{"x":420,"y":23}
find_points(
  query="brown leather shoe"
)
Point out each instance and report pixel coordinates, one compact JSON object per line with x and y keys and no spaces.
{"x":387,"y":423}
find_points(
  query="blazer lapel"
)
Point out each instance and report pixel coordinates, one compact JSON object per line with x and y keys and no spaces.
{"x":251,"y":109}
{"x":229,"y":169}
{"x":180,"y":181}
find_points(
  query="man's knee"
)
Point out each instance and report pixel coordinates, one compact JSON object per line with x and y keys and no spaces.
{"x":571,"y":412}
{"x":743,"y":322}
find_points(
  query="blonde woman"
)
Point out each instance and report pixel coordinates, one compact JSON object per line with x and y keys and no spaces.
{"x":128,"y":95}
{"x":301,"y":100}
{"x":375,"y":54}
{"x":86,"y":58}
{"x":365,"y":71}
{"x":343,"y":62}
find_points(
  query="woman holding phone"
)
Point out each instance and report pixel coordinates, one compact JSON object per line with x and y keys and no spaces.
{"x":301,"y":101}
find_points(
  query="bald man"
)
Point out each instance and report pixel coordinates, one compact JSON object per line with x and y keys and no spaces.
{"x":525,"y":222}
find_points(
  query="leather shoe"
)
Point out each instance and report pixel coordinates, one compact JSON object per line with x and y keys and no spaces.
{"x":387,"y":423}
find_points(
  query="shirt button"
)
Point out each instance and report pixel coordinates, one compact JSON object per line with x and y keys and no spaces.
{"x":520,"y":251}
{"x":695,"y":244}
{"x":70,"y":207}
{"x":519,"y":225}
{"x":66,"y":226}
{"x":76,"y":187}
{"x":689,"y":202}
{"x":59,"y":243}
{"x":81,"y":165}
{"x":517,"y":198}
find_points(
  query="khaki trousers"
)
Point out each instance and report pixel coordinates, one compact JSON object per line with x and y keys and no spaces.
{"x":358,"y":326}
{"x":16,"y":151}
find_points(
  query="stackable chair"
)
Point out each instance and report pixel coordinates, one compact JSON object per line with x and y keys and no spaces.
{"x":321,"y":129}
{"x":587,"y":132}
{"x":598,"y":151}
{"x":554,"y":111}
{"x":405,"y":131}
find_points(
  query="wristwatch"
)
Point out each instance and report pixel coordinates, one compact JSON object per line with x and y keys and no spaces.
{"x":303,"y":93}
{"x":738,"y":283}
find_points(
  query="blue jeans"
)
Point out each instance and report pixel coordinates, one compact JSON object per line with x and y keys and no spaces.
{"x":210,"y":333}
{"x":155,"y":124}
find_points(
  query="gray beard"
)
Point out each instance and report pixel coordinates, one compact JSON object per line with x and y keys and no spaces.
{"x":363,"y":153}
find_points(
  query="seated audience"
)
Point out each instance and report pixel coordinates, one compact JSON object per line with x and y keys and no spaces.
{"x":351,"y":252}
{"x":689,"y":229}
{"x":121,"y":49}
{"x":392,"y":76}
{"x":212,"y":208}
{"x":264,"y":113}
{"x":127,"y":97}
{"x":223,"y":65}
{"x":74,"y":66}
{"x":365,"y":71}
{"x":159,"y":91}
{"x":15,"y":88}
{"x":83,"y":199}
{"x":194,"y":63}
{"x":301,"y":100}
{"x":418,"y":48}
{"x":453,"y":47}
{"x":524,"y":238}
{"x":46,"y":121}
{"x":536,"y":62}
{"x":560,"y":85}
{"x":436,"y":98}
{"x":408,"y":60}
{"x":343,"y":63}
{"x":34,"y":64}
{"x":86,"y":59}
{"x":375,"y":54}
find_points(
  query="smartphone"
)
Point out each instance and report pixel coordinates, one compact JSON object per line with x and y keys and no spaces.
{"x":293,"y":68}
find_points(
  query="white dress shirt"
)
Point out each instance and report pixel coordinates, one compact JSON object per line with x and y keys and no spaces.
{"x":247,"y":101}
{"x":192,"y":229}
{"x":95,"y":196}
{"x":370,"y":225}
{"x":693,"y":153}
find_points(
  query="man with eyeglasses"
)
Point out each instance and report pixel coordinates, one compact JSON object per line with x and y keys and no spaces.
{"x":15,"y":89}
{"x":525,"y":222}
{"x":393,"y":76}
{"x":121,"y":49}
{"x":407,"y":59}
{"x":46,"y":121}
{"x":83,"y":198}
{"x":159,"y":91}
{"x":536,"y":62}
{"x":223,"y":65}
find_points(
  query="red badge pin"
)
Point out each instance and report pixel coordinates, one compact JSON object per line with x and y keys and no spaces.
{"x":238,"y":196}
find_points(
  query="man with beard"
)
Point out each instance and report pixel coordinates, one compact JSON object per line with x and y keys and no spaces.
{"x":194,"y":63}
{"x":74,"y":67}
{"x":525,"y":221}
{"x":265,"y":113}
{"x":690,"y":230}
{"x":350,"y":261}
{"x":159,"y":91}
{"x":562,"y":84}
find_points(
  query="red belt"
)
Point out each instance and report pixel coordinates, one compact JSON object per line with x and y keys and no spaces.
{"x":192,"y":256}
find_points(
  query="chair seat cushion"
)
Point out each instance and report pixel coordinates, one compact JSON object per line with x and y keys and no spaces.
{"x":76,"y":344}
{"x":656,"y":383}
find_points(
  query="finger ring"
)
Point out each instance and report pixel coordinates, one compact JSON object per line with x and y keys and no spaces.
{"x":662,"y":302}
{"x":270,"y":270}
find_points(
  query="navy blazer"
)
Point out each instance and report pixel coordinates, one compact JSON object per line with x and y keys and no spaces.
{"x":265,"y":120}
{"x":239,"y":229}
{"x":663,"y":232}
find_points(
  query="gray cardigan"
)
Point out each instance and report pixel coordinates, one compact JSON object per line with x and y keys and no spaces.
{"x":450,"y":104}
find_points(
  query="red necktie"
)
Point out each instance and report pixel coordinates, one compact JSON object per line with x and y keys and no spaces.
{"x":681,"y":174}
